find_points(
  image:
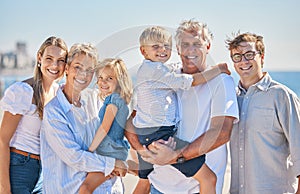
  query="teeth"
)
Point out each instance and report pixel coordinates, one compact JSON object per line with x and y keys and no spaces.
{"x":80,"y":81}
{"x":191,"y":57}
{"x":162,"y":55}
{"x":245,"y":68}
{"x":52,"y":71}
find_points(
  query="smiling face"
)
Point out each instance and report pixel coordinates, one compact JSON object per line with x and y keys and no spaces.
{"x":157,"y":52}
{"x":250,"y":71}
{"x":192,"y":50}
{"x":80,"y":72}
{"x":52,"y":62}
{"x":107,"y":81}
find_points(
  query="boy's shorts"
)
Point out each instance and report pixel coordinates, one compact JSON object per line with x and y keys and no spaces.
{"x":148,"y":135}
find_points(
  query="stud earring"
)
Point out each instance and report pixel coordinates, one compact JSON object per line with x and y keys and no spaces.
{"x":39,"y":65}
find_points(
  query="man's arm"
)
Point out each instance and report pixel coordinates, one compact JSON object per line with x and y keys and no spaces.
{"x":218,"y":134}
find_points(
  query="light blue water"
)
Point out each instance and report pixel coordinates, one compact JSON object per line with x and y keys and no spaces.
{"x":290,"y":79}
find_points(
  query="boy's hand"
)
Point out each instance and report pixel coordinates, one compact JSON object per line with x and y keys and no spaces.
{"x":223,"y":68}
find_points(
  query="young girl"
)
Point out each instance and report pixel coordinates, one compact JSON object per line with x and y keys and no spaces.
{"x":115,"y":89}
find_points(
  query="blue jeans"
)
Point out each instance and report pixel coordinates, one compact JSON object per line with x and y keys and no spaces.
{"x":24,"y":173}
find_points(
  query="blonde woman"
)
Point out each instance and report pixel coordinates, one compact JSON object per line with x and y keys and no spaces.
{"x":23,"y":104}
{"x":69,"y":120}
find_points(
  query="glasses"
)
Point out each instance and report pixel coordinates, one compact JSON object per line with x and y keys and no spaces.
{"x":249,"y":55}
{"x":80,"y":70}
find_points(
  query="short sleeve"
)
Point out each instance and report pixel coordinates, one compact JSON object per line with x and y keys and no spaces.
{"x":17,"y":98}
{"x":116,"y":100}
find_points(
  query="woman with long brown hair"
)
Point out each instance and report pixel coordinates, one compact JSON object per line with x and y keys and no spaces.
{"x":23,"y":103}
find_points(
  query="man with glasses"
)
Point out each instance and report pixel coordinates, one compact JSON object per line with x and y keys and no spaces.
{"x":264,"y":145}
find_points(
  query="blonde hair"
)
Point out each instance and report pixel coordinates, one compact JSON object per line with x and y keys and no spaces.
{"x":83,"y":48}
{"x":195,"y":28}
{"x":155,"y":34}
{"x":38,"y":92}
{"x":119,"y":68}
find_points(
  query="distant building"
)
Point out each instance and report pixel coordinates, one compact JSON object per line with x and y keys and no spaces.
{"x":18,"y":59}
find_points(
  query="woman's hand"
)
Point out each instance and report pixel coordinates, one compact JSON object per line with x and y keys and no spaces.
{"x":120,"y":169}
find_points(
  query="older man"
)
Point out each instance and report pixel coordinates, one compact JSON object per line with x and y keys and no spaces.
{"x":207,"y":115}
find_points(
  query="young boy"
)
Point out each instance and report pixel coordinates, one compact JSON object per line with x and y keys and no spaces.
{"x":157,"y":115}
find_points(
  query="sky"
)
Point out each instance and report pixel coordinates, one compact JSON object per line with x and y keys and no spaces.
{"x":114,"y":26}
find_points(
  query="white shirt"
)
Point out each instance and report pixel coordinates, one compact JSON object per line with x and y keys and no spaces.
{"x":198,"y":106}
{"x":17,"y":99}
{"x":156,"y":96}
{"x":64,"y":157}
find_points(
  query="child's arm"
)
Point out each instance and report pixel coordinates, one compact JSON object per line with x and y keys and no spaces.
{"x":109,"y":116}
{"x":203,"y":77}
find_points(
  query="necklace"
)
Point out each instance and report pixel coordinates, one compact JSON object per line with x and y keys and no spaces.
{"x":77,"y":103}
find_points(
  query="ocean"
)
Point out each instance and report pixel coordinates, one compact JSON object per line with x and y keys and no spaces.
{"x":289,"y":78}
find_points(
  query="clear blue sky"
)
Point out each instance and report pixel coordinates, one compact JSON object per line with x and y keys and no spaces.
{"x":115,"y":24}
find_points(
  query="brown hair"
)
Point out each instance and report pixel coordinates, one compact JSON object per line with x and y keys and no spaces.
{"x":246,"y":37}
{"x":38,"y":92}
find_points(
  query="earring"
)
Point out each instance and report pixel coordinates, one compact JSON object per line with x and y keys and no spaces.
{"x":39,"y":65}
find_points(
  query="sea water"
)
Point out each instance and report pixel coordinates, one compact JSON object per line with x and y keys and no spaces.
{"x":289,"y":78}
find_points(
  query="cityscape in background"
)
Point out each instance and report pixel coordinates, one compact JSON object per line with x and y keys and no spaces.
{"x":15,"y":65}
{"x":17,"y":59}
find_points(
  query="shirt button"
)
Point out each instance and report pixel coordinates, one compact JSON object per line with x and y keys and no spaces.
{"x":243,"y":113}
{"x":241,"y":166}
{"x":147,"y":139}
{"x":241,"y":149}
{"x":241,"y":131}
{"x":242,"y":186}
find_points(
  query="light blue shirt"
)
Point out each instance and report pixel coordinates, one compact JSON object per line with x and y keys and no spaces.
{"x":265,"y":144}
{"x":64,"y":157}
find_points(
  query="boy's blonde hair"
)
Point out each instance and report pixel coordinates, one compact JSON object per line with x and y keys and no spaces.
{"x":196,"y":29}
{"x":119,"y":68}
{"x":155,"y":34}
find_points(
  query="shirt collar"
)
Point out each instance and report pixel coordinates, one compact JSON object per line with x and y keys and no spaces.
{"x":262,"y":85}
{"x":66,"y":106}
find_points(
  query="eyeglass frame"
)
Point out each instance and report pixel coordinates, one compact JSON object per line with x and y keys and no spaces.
{"x":244,"y":55}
